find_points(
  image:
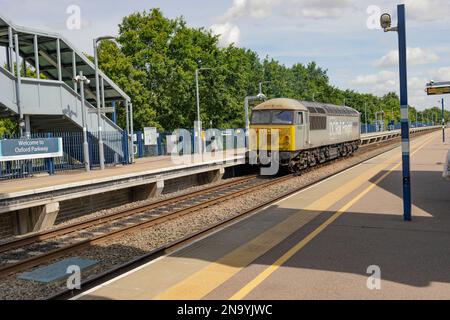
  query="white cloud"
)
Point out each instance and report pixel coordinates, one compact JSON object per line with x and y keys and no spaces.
{"x":416,"y":56}
{"x":250,"y":8}
{"x":386,"y":81}
{"x":442,"y":74}
{"x":374,"y":79}
{"x":259,"y":9}
{"x":228,"y":33}
{"x":316,"y":9}
{"x":428,"y":10}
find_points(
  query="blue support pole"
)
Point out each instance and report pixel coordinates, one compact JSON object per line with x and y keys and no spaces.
{"x":404,"y":112}
{"x":159,"y":150}
{"x":443,"y":122}
{"x":140,"y":144}
{"x":50,"y":161}
{"x":114,"y":115}
{"x":125,"y":147}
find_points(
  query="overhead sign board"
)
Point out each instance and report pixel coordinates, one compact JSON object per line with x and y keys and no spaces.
{"x":37,"y":148}
{"x":438,"y":90}
{"x":435,"y":88}
{"x":150,"y":136}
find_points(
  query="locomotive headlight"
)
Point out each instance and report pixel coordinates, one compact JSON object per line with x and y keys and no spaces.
{"x":286,"y":140}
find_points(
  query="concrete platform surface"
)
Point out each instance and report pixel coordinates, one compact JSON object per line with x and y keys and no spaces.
{"x":66,"y":179}
{"x":343,"y":238}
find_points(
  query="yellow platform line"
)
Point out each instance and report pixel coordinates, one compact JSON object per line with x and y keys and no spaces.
{"x":242,"y":293}
{"x":216,"y":273}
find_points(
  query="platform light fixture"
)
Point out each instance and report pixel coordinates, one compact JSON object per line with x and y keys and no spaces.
{"x":82,"y":80}
{"x":101,"y":152}
{"x":199,"y":123}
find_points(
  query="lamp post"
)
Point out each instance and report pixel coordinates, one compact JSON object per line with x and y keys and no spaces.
{"x":365,"y":114}
{"x":385,"y":21}
{"x":260,"y":86}
{"x":247,"y":101}
{"x":101,"y":152}
{"x":443,"y":120}
{"x":381,"y":121}
{"x":199,"y":123}
{"x":81,"y":80}
{"x":260,"y":96}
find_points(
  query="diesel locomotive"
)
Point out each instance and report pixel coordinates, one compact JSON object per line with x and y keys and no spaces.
{"x":303,"y":133}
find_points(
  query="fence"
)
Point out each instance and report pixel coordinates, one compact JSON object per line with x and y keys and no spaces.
{"x":225,"y":139}
{"x":374,"y":128}
{"x":115,"y":149}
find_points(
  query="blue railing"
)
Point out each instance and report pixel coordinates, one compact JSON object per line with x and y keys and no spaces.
{"x":397,"y":126}
{"x":187,"y":145}
{"x":115,"y":147}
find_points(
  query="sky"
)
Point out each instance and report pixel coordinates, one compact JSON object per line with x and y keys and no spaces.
{"x":342,"y":36}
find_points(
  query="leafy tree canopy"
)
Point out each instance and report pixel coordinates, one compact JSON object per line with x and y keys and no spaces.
{"x":156,"y":62}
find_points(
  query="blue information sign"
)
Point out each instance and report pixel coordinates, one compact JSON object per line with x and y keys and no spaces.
{"x":37,"y":148}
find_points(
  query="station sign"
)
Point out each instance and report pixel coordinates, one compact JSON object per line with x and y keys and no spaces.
{"x":36,"y":148}
{"x":436,"y":88}
{"x":150,"y":136}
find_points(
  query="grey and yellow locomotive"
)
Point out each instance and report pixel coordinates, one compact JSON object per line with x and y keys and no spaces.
{"x":303,"y":133}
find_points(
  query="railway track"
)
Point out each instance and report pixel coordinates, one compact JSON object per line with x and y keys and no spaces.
{"x":60,"y":231}
{"x":36,"y":249}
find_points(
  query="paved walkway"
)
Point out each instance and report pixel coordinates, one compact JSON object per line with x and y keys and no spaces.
{"x":322,"y":243}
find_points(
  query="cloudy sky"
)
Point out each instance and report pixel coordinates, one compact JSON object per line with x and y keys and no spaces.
{"x":340,"y":35}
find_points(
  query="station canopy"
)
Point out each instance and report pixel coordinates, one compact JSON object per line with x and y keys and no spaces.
{"x":48,"y":59}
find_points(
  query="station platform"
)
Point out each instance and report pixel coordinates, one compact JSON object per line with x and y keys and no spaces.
{"x":40,"y":200}
{"x":329,"y":241}
{"x":11,"y":188}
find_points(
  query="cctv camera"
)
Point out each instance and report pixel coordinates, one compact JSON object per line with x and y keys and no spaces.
{"x":385,"y":21}
{"x":261,"y":96}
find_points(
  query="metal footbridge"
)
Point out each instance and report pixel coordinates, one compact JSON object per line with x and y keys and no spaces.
{"x":37,"y":86}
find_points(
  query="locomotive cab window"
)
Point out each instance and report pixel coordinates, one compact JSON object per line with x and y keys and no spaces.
{"x":282,"y":117}
{"x":272,"y":117}
{"x":299,"y":118}
{"x":261,"y":117}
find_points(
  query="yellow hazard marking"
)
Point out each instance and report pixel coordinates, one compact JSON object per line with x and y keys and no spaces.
{"x":291,"y":252}
{"x":202,"y":282}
